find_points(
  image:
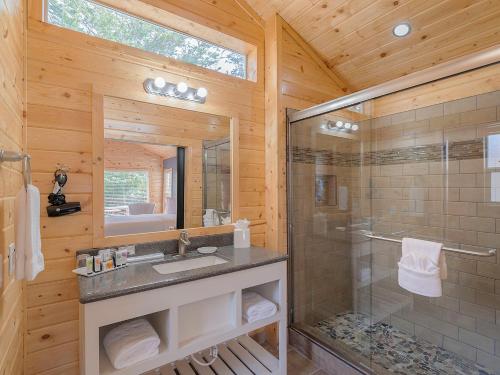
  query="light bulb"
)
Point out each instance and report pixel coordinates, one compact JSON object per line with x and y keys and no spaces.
{"x":355,"y":127}
{"x":339,"y":124}
{"x":201,"y":92}
{"x":159,"y":82}
{"x":401,"y":29}
{"x":182,"y":87}
{"x":347,"y":125}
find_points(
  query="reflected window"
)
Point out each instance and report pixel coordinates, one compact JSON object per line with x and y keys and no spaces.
{"x":495,"y":187}
{"x":493,"y":151}
{"x":122,"y":189}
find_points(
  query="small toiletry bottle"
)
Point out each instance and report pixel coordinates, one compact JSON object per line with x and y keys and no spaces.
{"x":109,"y":265}
{"x":124,"y":253}
{"x":118,"y":258}
{"x":89,"y":264}
{"x":81,"y":260}
{"x":98,"y":263}
{"x":241,"y":234}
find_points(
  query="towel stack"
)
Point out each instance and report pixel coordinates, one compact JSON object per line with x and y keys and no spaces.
{"x":131,"y":342}
{"x":255,"y":307}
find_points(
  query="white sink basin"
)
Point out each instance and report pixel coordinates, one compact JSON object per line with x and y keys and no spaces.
{"x":188,"y":264}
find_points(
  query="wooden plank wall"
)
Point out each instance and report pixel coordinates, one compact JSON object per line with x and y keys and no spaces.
{"x":63,"y":69}
{"x":296,"y":78}
{"x":12,"y":102}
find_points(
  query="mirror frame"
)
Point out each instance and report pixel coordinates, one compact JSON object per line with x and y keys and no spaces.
{"x":99,"y":239}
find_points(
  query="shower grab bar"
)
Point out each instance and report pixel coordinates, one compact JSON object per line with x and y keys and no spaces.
{"x":489,"y":253}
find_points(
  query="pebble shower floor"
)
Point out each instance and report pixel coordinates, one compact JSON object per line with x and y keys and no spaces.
{"x":395,"y":350}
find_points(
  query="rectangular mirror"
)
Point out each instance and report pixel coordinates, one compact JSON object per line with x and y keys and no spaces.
{"x":163,"y":168}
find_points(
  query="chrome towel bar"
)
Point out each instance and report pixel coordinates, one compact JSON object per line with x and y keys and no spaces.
{"x":488,"y":253}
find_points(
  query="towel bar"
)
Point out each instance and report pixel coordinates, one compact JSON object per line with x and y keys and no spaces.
{"x":11,"y":156}
{"x":489,"y":253}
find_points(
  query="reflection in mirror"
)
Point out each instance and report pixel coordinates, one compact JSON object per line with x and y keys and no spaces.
{"x":164,"y":168}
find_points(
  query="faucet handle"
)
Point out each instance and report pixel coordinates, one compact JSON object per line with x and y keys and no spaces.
{"x":184,"y":236}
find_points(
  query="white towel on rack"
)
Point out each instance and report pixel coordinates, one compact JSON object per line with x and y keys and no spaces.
{"x":422,"y":267}
{"x":29,"y":256}
{"x":131,"y":342}
{"x":255,"y":307}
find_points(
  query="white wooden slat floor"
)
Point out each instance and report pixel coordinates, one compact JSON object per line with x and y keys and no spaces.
{"x":241,"y":356}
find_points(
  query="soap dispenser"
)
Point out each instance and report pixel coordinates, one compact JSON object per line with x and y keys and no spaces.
{"x":241,"y":234}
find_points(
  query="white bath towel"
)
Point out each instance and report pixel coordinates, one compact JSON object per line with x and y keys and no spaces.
{"x":255,"y":307}
{"x":131,"y":342}
{"x":422,"y":267}
{"x":29,"y":256}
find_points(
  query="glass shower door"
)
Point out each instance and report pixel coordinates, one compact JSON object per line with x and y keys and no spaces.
{"x":329,"y":210}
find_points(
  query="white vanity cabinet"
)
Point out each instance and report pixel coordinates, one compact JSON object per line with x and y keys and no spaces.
{"x":188,"y":317}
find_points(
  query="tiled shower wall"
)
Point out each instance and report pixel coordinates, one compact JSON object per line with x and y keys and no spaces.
{"x":440,"y":183}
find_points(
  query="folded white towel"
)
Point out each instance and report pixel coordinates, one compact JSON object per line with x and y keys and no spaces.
{"x":131,"y":342}
{"x":422,"y":267}
{"x":29,"y":257}
{"x":255,"y":307}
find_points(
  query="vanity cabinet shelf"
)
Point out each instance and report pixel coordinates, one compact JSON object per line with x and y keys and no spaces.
{"x":189,"y":318}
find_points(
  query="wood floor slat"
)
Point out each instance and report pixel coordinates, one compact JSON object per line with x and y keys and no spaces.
{"x":248,"y":359}
{"x":232,"y":361}
{"x":183,"y":368}
{"x":266,"y":358}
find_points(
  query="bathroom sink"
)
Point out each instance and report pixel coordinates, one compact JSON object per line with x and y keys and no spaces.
{"x":188,"y":264}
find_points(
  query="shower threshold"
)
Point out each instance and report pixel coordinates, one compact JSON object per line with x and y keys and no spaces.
{"x":386,"y":349}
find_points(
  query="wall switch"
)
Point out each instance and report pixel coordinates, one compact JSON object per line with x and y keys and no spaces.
{"x":12,"y":258}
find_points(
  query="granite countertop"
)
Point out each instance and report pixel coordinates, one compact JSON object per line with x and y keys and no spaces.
{"x":140,"y":277}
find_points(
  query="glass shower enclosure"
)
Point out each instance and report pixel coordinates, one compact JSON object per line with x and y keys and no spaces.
{"x":359,"y":180}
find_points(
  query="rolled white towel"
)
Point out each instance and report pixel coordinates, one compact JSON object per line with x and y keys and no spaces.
{"x":255,"y":307}
{"x":131,"y":342}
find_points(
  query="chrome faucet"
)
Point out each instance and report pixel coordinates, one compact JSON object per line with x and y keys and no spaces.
{"x":183,"y":242}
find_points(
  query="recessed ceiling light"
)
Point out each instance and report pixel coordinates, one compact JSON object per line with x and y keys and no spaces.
{"x":401,"y":29}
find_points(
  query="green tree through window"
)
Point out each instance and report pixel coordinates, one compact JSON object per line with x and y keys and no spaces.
{"x":103,"y":22}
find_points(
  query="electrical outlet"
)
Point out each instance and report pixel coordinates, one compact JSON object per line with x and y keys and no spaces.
{"x":12,"y":258}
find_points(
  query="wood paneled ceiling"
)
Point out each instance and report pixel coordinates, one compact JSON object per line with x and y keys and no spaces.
{"x":355,"y":38}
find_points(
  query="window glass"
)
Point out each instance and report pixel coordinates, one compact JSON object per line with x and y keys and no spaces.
{"x":107,"y":23}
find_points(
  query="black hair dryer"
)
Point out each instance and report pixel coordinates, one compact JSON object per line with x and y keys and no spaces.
{"x":58,"y":205}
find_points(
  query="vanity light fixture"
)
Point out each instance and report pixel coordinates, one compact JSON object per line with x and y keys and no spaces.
{"x":339,"y":126}
{"x":158,"y":86}
{"x":401,"y":29}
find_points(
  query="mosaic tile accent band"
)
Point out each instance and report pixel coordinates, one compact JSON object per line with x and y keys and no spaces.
{"x":395,"y":350}
{"x":471,"y":149}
